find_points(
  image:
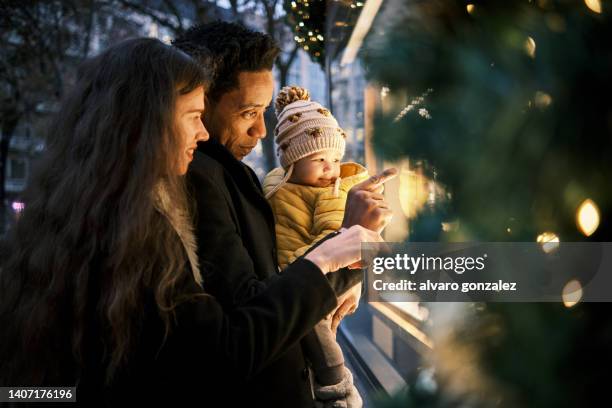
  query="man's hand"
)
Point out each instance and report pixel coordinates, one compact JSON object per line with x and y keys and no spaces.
{"x":365,"y":204}
{"x":348,"y":304}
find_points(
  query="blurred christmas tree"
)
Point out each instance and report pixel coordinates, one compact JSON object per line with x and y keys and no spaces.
{"x":517,"y":120}
{"x":511,"y":103}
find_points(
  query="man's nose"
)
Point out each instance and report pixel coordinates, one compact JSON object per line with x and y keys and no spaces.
{"x":258,"y":129}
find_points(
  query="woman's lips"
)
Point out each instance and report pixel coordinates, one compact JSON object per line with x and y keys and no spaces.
{"x":189,"y":152}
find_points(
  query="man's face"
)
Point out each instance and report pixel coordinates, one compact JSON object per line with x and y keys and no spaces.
{"x":236,"y":120}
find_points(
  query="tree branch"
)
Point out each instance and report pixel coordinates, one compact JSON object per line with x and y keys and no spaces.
{"x":172,"y":7}
{"x":151,"y":14}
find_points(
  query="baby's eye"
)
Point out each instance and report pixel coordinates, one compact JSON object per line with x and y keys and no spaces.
{"x":337,"y":161}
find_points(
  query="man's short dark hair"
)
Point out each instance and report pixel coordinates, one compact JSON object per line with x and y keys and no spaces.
{"x":230,"y":48}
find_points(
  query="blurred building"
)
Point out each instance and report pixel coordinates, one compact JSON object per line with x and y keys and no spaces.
{"x":384,"y":341}
{"x":111,"y":27}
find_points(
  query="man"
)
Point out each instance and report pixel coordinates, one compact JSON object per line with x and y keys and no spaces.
{"x":235,"y":225}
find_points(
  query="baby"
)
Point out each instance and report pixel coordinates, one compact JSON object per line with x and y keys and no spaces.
{"x":307,"y":196}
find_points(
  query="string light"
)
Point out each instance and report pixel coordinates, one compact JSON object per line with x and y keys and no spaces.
{"x":306,"y":29}
{"x":413,"y":104}
{"x":572,"y":293}
{"x":549,"y":241}
{"x":542,"y":99}
{"x":530,"y":47}
{"x":593,"y":5}
{"x":587,"y":217}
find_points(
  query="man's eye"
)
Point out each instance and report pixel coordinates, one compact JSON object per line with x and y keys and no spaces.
{"x":249,"y":115}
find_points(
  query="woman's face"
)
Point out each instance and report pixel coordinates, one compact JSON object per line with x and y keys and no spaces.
{"x":191,"y":130}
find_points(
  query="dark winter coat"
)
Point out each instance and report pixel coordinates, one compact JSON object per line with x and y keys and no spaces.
{"x":212,"y":353}
{"x":237,"y":247}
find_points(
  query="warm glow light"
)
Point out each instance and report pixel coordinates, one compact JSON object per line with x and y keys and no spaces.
{"x":470,"y":8}
{"x":530,"y":47}
{"x":549,"y":241}
{"x":413,"y":191}
{"x":587,"y":217}
{"x":542,"y":99}
{"x":384,"y":91}
{"x":594,"y":5}
{"x":572,"y":293}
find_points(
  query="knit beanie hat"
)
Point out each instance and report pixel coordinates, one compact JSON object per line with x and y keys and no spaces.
{"x":304,"y":127}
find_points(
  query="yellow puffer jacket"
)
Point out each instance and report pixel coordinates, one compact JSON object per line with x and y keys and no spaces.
{"x":305,"y":214}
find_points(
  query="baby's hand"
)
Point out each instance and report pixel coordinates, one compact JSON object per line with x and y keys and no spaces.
{"x":348,"y":304}
{"x":365,"y":204}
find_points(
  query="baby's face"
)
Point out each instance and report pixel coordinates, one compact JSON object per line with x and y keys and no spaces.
{"x":318,"y":170}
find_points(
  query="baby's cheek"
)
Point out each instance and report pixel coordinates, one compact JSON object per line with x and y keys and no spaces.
{"x":336,"y":170}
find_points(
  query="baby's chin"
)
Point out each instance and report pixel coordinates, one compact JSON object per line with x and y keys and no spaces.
{"x":320,"y":182}
{"x":325,"y":182}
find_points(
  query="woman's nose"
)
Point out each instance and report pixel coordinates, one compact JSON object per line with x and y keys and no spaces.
{"x":202,"y":134}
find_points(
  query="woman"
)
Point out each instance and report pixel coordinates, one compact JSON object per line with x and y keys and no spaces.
{"x":102,"y":288}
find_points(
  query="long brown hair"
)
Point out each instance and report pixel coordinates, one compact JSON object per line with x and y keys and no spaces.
{"x":90,"y":241}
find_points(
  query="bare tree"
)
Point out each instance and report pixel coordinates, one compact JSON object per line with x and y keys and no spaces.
{"x":42,"y":42}
{"x":276,"y":27}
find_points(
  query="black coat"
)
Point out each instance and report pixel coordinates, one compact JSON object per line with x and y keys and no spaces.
{"x":237,"y":247}
{"x":208,"y":358}
{"x":210,"y":353}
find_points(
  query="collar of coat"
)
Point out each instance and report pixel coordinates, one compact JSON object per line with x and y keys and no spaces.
{"x":182,"y":224}
{"x":242,"y":174}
